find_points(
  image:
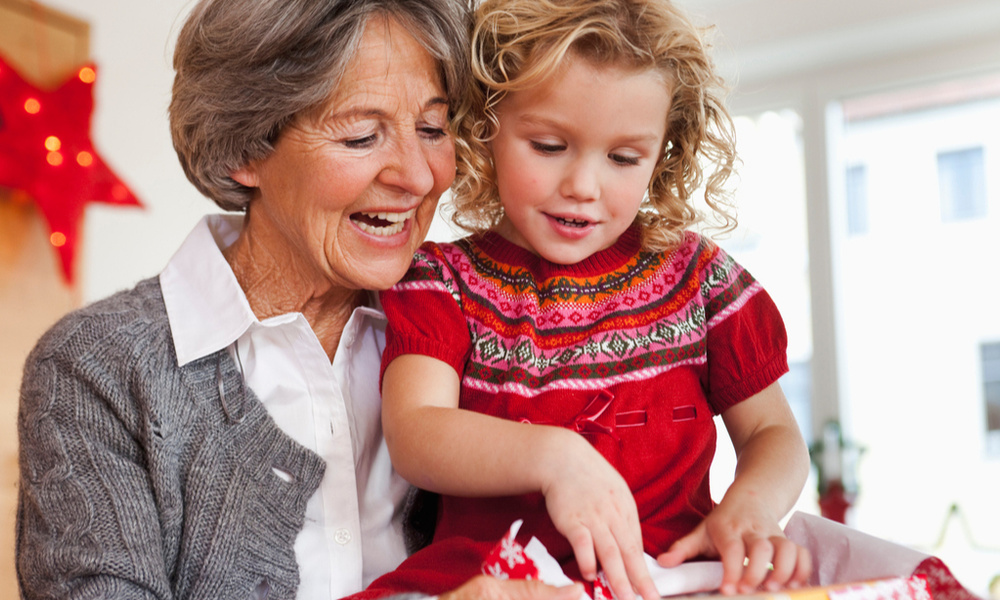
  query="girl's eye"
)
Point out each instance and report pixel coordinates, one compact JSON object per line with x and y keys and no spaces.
{"x":363,"y":142}
{"x":623,"y":160}
{"x":547,"y":148}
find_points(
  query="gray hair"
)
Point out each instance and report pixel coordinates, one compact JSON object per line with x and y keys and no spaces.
{"x":246,"y":68}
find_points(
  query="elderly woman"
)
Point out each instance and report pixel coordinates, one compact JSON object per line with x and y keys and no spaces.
{"x":214,"y":432}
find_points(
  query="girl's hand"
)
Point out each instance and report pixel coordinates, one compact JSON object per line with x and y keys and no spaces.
{"x":592,"y":506}
{"x":747,"y":541}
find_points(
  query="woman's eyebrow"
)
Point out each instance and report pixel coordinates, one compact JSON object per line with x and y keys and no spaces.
{"x":360,"y":111}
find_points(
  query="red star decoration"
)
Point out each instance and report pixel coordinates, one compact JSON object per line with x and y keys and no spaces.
{"x":46,"y":151}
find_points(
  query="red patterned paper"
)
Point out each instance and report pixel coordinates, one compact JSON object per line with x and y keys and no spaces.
{"x":940,"y":581}
{"x":507,"y":559}
{"x":510,"y":560}
{"x":896,"y":588}
{"x":601,"y":590}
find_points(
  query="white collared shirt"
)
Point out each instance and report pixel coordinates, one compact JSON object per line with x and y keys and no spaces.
{"x":353,"y":529}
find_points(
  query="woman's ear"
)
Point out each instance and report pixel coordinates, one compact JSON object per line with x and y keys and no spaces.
{"x":245,"y":176}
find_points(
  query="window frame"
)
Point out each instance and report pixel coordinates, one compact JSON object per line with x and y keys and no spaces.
{"x":817,"y":94}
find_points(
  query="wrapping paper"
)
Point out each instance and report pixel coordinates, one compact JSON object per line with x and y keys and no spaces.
{"x":842,"y":555}
{"x":847,"y":565}
{"x":511,"y":560}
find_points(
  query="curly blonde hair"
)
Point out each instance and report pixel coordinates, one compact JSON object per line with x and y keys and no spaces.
{"x":516,"y":44}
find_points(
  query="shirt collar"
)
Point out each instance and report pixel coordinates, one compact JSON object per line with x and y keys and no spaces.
{"x":206,"y":306}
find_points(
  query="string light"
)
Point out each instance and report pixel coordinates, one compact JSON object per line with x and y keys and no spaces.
{"x":87,"y":75}
{"x":32,"y":106}
{"x":84,"y":159}
{"x":53,"y":145}
{"x":57,"y":239}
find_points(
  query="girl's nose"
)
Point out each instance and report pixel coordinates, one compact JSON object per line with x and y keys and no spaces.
{"x":581,"y":181}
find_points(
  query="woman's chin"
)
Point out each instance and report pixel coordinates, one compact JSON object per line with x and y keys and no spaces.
{"x":383,"y":274}
{"x":386,"y":259}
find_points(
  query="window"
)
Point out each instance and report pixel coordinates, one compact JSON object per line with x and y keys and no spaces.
{"x":772,"y":241}
{"x":991,"y":386}
{"x":796,"y":384}
{"x":857,"y":200}
{"x":918,"y":331}
{"x":962,"y":184}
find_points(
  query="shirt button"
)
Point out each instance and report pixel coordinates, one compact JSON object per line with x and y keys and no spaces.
{"x":342,"y":536}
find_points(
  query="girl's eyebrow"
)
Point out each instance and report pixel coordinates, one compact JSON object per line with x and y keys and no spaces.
{"x":532,"y":119}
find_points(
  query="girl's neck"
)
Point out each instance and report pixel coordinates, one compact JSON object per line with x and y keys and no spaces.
{"x":625,"y":247}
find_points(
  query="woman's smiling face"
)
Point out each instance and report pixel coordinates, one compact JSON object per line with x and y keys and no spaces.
{"x":349,"y":194}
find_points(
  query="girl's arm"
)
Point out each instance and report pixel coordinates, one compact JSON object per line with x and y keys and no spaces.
{"x":771,"y":468}
{"x":441,"y":448}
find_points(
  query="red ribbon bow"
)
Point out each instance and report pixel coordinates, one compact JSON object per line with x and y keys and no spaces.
{"x":585,"y":423}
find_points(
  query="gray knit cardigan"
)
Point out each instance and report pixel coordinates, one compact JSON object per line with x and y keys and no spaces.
{"x":142,"y":479}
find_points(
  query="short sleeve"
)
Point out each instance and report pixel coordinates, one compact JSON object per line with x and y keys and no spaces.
{"x":746,"y":340}
{"x":425,"y":314}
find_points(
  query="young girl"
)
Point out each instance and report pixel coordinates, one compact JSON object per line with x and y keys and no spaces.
{"x":563,"y":364}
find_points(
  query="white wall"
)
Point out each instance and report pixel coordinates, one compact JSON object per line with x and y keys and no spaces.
{"x":131,"y":43}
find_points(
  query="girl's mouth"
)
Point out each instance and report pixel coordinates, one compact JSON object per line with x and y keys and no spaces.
{"x":571,"y":222}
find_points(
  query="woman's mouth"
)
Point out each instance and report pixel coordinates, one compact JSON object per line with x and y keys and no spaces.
{"x":382,"y":224}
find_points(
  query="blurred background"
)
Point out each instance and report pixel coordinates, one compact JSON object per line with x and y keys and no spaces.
{"x":869,"y":207}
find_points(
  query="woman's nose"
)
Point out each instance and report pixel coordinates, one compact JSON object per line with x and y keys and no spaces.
{"x":409,"y":168}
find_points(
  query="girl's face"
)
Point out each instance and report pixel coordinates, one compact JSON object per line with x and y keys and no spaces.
{"x":574,"y":157}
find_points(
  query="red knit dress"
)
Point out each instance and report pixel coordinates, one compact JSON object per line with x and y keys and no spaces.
{"x":635,"y":350}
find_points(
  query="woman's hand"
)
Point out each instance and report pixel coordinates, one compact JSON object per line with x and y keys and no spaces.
{"x":490,"y":588}
{"x":592,"y":506}
{"x":748,"y":540}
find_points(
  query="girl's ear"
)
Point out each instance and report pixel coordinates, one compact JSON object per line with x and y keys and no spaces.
{"x":245,"y":176}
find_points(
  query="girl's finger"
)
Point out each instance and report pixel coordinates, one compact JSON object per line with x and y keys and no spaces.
{"x":803,"y":568}
{"x":760,"y":553}
{"x":635,"y":561}
{"x":582,"y":543}
{"x":786,"y":554}
{"x":609,"y":554}
{"x":732,"y":553}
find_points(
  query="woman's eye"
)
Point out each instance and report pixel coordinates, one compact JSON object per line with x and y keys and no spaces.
{"x":433,"y":133}
{"x":547,"y":148}
{"x":623,"y":160}
{"x":363,"y":142}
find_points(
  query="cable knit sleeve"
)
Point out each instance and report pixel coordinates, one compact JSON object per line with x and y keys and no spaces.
{"x":424,"y":311}
{"x":136,"y":481}
{"x":87,"y":523}
{"x":746,"y":341}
